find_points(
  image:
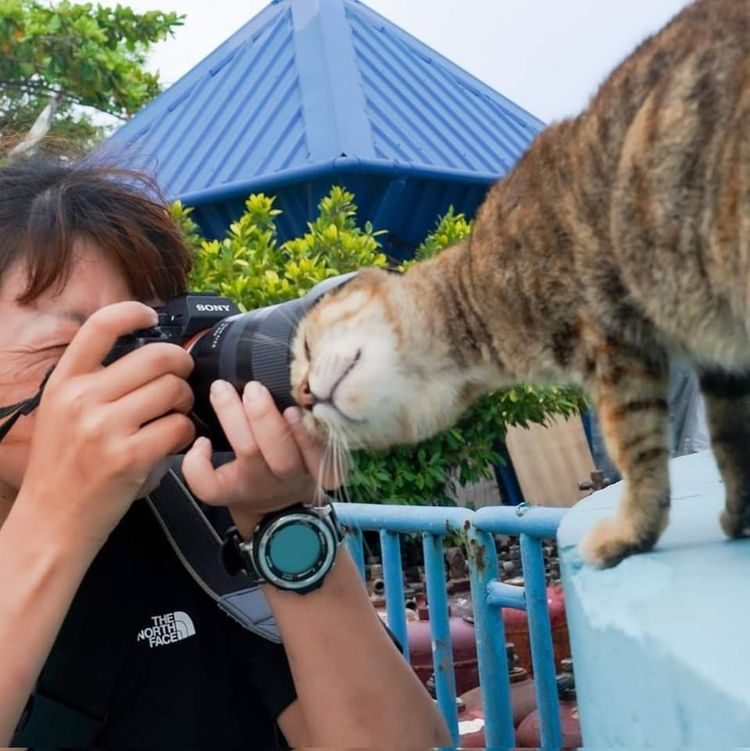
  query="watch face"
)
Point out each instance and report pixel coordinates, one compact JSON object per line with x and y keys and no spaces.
{"x":296,"y":551}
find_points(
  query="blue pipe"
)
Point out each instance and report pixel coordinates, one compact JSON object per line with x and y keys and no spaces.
{"x":393,"y":578}
{"x":404,"y":519}
{"x":355,"y":543}
{"x":536,"y":521}
{"x":540,"y":635}
{"x":442,"y":645}
{"x":506,"y":596}
{"x":489,"y":632}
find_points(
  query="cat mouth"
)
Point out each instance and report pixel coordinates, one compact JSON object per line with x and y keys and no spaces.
{"x":326,"y":407}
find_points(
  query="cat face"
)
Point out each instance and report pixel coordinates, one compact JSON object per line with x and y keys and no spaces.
{"x":365,"y":368}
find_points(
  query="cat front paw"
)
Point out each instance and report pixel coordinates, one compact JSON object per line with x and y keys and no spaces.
{"x":613,"y":540}
{"x":735,"y":525}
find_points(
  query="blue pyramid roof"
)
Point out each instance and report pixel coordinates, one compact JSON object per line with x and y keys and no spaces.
{"x":315,"y":92}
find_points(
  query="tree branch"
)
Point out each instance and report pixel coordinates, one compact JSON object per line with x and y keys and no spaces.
{"x":39,"y":89}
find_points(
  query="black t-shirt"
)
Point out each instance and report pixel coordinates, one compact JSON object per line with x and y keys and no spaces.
{"x":187,"y":674}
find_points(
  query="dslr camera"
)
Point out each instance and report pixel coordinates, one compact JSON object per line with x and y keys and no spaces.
{"x":231,"y":345}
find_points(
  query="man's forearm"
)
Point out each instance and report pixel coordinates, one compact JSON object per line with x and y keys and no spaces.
{"x":355,"y":688}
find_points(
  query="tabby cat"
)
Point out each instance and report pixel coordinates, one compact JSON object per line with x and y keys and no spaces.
{"x":621,"y":236}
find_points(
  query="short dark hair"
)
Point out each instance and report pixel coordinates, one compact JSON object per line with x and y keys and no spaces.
{"x":47,"y":205}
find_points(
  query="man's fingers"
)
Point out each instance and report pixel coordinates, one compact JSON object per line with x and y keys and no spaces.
{"x":326,"y":469}
{"x":272,"y":433}
{"x":227,"y":405}
{"x":98,"y":334}
{"x":167,"y":393}
{"x":164,"y":436}
{"x":200,"y":474}
{"x":142,"y":366}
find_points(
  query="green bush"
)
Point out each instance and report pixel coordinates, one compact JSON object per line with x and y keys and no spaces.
{"x":252,"y":268}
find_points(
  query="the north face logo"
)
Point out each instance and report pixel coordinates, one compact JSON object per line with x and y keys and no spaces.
{"x":167,"y":628}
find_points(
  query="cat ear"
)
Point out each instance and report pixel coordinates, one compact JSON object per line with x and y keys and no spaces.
{"x":373,"y":275}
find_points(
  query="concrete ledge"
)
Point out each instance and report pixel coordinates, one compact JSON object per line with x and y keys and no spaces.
{"x":661,"y":643}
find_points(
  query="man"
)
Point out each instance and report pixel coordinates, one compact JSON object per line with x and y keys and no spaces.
{"x":81,"y":251}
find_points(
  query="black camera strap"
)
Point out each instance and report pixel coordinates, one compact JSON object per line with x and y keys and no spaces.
{"x":198,"y":546}
{"x":24,"y":407}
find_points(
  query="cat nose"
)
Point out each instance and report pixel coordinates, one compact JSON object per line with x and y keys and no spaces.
{"x":307,"y":399}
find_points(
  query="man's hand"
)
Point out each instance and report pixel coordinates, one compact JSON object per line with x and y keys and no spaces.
{"x":101,"y":433}
{"x":278,"y":463}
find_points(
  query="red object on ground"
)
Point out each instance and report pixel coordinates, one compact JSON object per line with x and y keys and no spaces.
{"x":471,"y":728}
{"x":517,"y":628}
{"x":529,"y":735}
{"x":464,"y":650}
{"x":522,"y":696}
{"x":529,"y":731}
{"x":522,"y":701}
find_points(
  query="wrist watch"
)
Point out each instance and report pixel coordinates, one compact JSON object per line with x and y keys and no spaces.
{"x":293,"y":549}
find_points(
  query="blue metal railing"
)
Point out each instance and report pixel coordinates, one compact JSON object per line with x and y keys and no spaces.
{"x":531,"y":524}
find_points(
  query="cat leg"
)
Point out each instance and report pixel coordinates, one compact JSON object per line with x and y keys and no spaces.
{"x":728,"y":407}
{"x":630,"y":395}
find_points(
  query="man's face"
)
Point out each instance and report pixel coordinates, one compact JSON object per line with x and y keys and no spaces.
{"x":34,"y":336}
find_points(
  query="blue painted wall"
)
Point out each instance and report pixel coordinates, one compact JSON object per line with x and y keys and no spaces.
{"x":660,"y":643}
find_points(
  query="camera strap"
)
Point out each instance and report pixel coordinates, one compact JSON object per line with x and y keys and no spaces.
{"x":198,"y":546}
{"x":25,"y":407}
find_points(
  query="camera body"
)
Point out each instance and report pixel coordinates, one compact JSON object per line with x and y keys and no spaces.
{"x":227,"y":344}
{"x":181,"y":319}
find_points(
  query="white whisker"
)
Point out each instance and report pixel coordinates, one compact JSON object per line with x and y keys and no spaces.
{"x":322,"y":470}
{"x":342,"y":464}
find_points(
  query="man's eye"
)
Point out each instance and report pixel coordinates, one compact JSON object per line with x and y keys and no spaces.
{"x":53,"y":350}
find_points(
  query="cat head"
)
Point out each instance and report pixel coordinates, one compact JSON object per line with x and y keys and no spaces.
{"x":370,"y":366}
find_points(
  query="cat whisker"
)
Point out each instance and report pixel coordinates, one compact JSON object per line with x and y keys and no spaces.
{"x":347,"y":435}
{"x":327,"y":460}
{"x":331,"y":460}
{"x":343,"y":458}
{"x":340,"y":458}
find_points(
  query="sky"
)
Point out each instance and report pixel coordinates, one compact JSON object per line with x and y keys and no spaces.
{"x":548,"y":56}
